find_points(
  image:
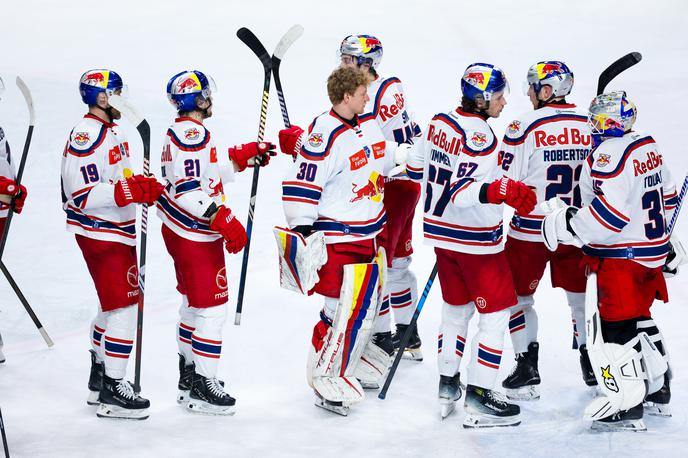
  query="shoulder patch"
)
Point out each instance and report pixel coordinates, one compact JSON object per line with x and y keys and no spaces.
{"x":315,"y":139}
{"x":478,"y":139}
{"x":514,"y":127}
{"x":603,"y":160}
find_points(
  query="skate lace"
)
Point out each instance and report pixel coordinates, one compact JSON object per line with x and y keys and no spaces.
{"x":497,"y":398}
{"x":214,"y":386}
{"x":125,"y":389}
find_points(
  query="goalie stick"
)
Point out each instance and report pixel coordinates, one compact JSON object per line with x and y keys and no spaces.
{"x":250,"y":40}
{"x":409,"y":331}
{"x":124,"y":106}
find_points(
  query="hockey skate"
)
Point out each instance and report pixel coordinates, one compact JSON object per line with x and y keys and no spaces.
{"x":626,"y":420}
{"x":95,"y":380}
{"x":657,"y":403}
{"x":375,"y":361}
{"x":486,"y":408}
{"x":186,"y":374}
{"x":118,"y":400}
{"x":521,"y":384}
{"x":413,"y":350}
{"x":586,"y":367}
{"x":207,"y":396}
{"x":340,"y":408}
{"x":449,"y":392}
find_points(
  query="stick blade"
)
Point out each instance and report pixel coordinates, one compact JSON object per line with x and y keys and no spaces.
{"x":250,"y":40}
{"x":620,"y":65}
{"x":125,"y":107}
{"x":287,"y":40}
{"x":29,"y":100}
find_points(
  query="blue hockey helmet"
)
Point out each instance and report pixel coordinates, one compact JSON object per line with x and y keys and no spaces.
{"x":481,"y":81}
{"x":96,"y":81}
{"x":185,"y":87}
{"x":365,"y":49}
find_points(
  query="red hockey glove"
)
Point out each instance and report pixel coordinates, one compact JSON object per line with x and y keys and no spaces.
{"x":18,"y":193}
{"x":513,"y":193}
{"x":260,"y":152}
{"x":137,"y":189}
{"x":231,"y":229}
{"x":290,"y":140}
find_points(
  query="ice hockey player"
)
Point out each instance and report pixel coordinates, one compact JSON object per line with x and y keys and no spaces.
{"x":99,"y":193}
{"x":336,"y":187}
{"x":545,"y":149}
{"x":627,"y":195}
{"x":389,"y":106}
{"x":465,"y":190}
{"x":196,"y":224}
{"x":10,"y":192}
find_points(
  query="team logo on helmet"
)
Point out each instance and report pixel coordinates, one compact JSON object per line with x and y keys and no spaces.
{"x":479,"y":139}
{"x":315,"y":140}
{"x":609,"y":380}
{"x":81,"y":138}
{"x":188,"y":84}
{"x":97,"y":79}
{"x":191,"y":134}
{"x":478,"y":79}
{"x":514,"y":127}
{"x":133,"y":276}
{"x":603,"y":160}
{"x":549,"y":69}
{"x":221,"y":278}
{"x":368,"y":44}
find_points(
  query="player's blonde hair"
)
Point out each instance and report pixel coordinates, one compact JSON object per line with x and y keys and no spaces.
{"x":345,"y":80}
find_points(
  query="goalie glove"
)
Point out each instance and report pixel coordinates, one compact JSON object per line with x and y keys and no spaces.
{"x":676,"y":257}
{"x":556,"y":228}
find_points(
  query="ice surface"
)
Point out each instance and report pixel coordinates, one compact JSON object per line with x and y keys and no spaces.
{"x":427,"y":44}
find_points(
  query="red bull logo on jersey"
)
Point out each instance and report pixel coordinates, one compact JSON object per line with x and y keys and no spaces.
{"x":568,"y":136}
{"x":373,"y":189}
{"x":439,"y":139}
{"x":81,"y":138}
{"x":191,"y":134}
{"x":98,"y":79}
{"x":603,"y":160}
{"x":514,"y":127}
{"x":653,"y":161}
{"x":479,"y":139}
{"x":216,"y":189}
{"x":389,"y":111}
{"x":315,"y":140}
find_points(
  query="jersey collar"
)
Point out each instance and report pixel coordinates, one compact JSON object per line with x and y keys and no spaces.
{"x":102,"y":121}
{"x":188,"y":119}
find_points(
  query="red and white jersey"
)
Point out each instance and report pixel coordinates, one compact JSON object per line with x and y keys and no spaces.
{"x":545,"y":149}
{"x":390,"y":108}
{"x":456,"y":156}
{"x":6,"y":167}
{"x":94,"y":159}
{"x":337,"y":182}
{"x":628,"y":197}
{"x":193,"y":180}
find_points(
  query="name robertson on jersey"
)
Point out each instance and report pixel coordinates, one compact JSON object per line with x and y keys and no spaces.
{"x":558,"y":155}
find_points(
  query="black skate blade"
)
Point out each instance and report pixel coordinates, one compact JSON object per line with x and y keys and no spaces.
{"x":111,"y":411}
{"x":204,"y":408}
{"x":622,"y":425}
{"x":337,"y":407}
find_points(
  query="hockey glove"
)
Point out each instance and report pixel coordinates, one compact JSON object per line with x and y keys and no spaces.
{"x":556,"y":227}
{"x":230,"y":228}
{"x":676,"y":257}
{"x":290,"y":140}
{"x":250,"y":154}
{"x":137,"y":189}
{"x":513,"y":193}
{"x":16,"y":193}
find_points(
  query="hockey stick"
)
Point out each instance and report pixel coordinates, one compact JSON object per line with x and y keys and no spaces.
{"x":616,"y":68}
{"x":143,"y":128}
{"x":27,"y":143}
{"x":679,"y":202}
{"x":294,"y":33}
{"x":250,"y":40}
{"x":407,"y":334}
{"x":26,"y":305}
{"x":4,"y":436}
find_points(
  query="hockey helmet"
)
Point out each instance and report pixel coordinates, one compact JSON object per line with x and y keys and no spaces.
{"x":185,"y":87}
{"x":481,"y":81}
{"x":365,"y":49}
{"x":96,"y":81}
{"x":611,"y":115}
{"x":552,"y":73}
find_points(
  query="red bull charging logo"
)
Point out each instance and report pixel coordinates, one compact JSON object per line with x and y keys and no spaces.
{"x":188,"y":84}
{"x":96,"y":79}
{"x":373,"y":189}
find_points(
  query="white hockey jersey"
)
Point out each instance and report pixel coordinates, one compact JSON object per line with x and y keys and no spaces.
{"x":94,"y":159}
{"x":193,"y":174}
{"x":628,"y":197}
{"x":389,"y":107}
{"x":337,"y":182}
{"x":6,"y":168}
{"x":545,"y":149}
{"x":456,"y":156}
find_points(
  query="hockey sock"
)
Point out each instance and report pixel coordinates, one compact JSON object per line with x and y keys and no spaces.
{"x":206,"y":340}
{"x":120,"y":326}
{"x":649,"y":326}
{"x":523,"y":324}
{"x":487,"y":349}
{"x":452,"y":337}
{"x":383,"y":320}
{"x":97,"y":330}
{"x":403,"y":288}
{"x":185,"y":328}
{"x":577,"y":304}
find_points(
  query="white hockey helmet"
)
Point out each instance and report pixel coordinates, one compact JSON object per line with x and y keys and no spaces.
{"x":552,"y":73}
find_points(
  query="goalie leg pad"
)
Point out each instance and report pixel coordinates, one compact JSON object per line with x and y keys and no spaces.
{"x":299,"y":259}
{"x":655,"y":364}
